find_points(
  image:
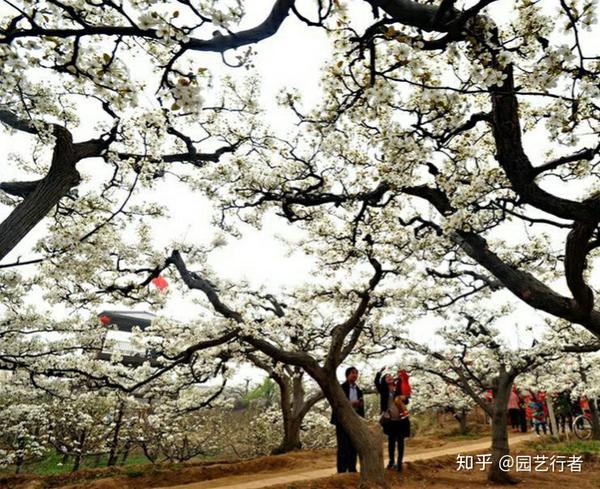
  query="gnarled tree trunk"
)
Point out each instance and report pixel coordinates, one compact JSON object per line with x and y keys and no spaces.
{"x":368,"y":443}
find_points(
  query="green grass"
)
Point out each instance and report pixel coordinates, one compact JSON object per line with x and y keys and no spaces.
{"x":52,"y":464}
{"x":575,"y":447}
{"x":423,"y":424}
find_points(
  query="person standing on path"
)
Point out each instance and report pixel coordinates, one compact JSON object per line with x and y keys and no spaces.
{"x":394,"y":417}
{"x":562,"y":410}
{"x":513,"y":409}
{"x":346,"y":453}
{"x":537,"y":413}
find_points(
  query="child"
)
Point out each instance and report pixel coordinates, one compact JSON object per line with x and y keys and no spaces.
{"x":537,"y":414}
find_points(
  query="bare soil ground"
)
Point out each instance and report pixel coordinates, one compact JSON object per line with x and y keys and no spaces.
{"x":145,"y":476}
{"x":322,"y":468}
{"x":441,"y":473}
{"x":431,"y":463}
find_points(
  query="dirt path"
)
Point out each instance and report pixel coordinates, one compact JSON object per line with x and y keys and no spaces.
{"x":323,"y":467}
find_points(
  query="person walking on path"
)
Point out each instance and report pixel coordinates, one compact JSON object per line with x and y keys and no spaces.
{"x":346,"y":453}
{"x":393,"y":395}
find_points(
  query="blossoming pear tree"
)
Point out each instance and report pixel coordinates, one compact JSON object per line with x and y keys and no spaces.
{"x":431,"y":394}
{"x":475,"y":358}
{"x":431,"y":122}
{"x":576,"y":372}
{"x":21,"y":416}
{"x":295,"y":403}
{"x":110,"y":83}
{"x":424,"y":153}
{"x":315,"y":329}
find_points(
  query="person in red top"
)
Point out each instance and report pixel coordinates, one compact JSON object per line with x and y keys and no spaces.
{"x":584,"y":404}
{"x":394,"y":394}
{"x":513,"y":409}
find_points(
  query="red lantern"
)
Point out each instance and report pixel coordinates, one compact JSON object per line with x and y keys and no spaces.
{"x":105,"y":320}
{"x":160,"y":283}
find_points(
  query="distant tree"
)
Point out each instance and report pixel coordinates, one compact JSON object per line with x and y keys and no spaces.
{"x":293,"y":399}
{"x":476,"y":359}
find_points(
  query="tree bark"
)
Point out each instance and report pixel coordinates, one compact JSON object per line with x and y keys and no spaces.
{"x":368,"y":444}
{"x":290,"y":398}
{"x":125,"y":453}
{"x":79,"y":453}
{"x":291,"y":436}
{"x":500,"y":446}
{"x":461,"y":416}
{"x":112,"y":455}
{"x":294,"y":408}
{"x":20,"y":457}
{"x":595,"y":419}
{"x":61,"y":178}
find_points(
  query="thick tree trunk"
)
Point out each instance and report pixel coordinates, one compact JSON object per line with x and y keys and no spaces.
{"x":368,"y":444}
{"x":294,"y":406}
{"x":595,"y":419}
{"x":500,"y":447}
{"x":291,"y":430}
{"x":291,"y":435}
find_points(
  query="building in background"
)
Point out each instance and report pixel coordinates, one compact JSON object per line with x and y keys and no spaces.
{"x":117,"y":338}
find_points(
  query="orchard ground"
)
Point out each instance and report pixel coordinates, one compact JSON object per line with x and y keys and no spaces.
{"x":439,"y":472}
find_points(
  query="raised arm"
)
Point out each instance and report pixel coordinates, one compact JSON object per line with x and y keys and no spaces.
{"x":379,"y":384}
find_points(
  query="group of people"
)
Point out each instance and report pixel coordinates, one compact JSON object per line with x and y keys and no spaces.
{"x":529,"y":409}
{"x":526,"y":410}
{"x":394,"y":393}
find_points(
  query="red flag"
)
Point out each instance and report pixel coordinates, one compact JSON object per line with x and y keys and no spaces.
{"x":105,"y":320}
{"x":160,"y":283}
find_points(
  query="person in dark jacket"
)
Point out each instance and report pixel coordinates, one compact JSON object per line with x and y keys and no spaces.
{"x":396,"y":423}
{"x":346,"y":453}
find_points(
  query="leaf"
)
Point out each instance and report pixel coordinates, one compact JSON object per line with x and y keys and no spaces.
{"x":106,"y":57}
{"x":176,"y":14}
{"x":175,"y":106}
